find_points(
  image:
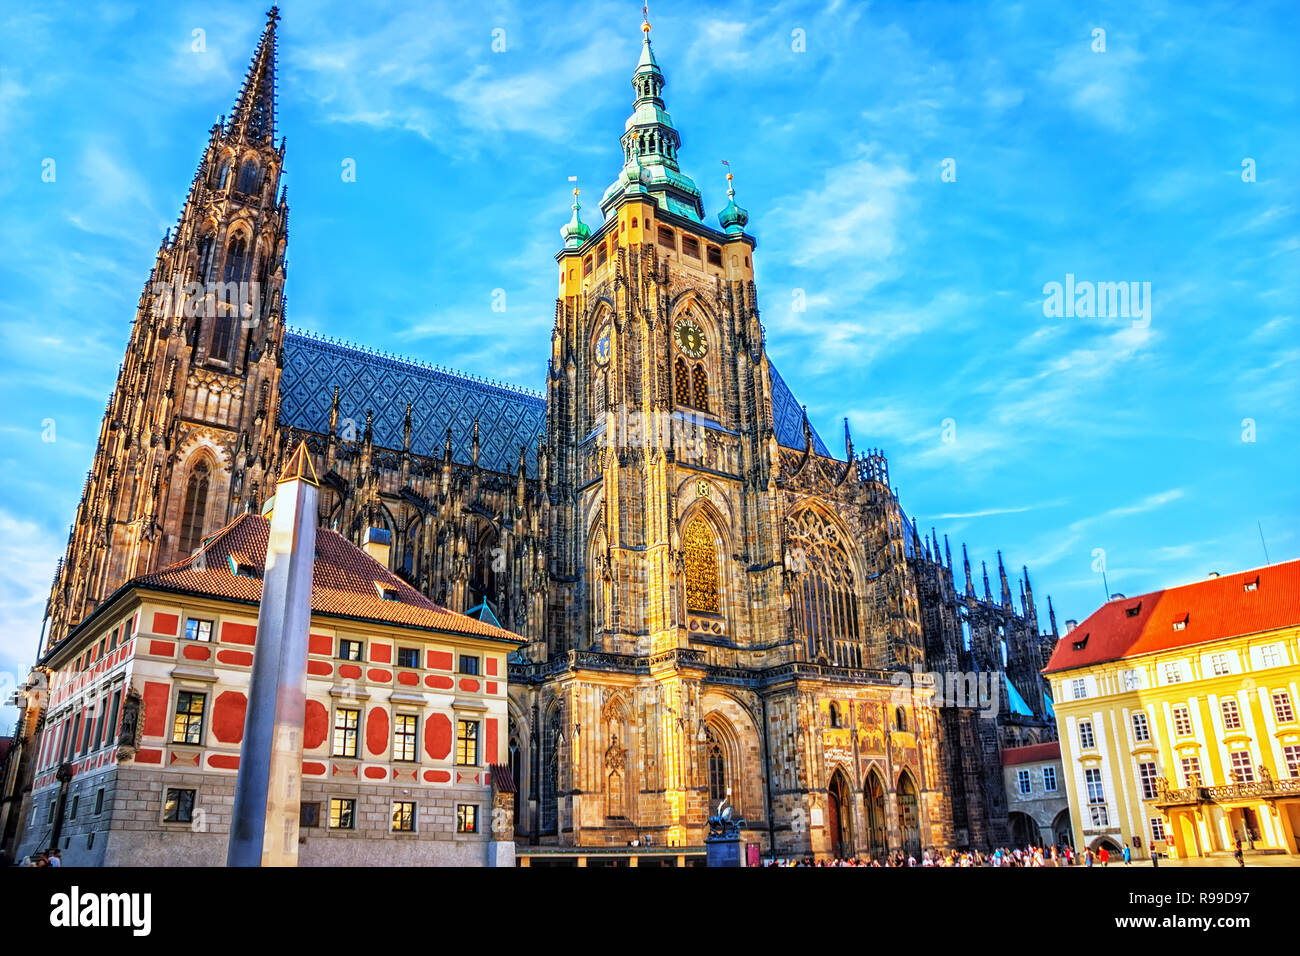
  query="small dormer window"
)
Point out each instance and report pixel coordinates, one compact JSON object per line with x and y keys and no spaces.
{"x":1252,"y":584}
{"x":240,"y":569}
{"x":1181,"y":623}
{"x":1081,"y":643}
{"x":386,"y":591}
{"x":1133,"y":611}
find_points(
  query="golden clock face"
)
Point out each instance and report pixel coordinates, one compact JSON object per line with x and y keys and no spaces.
{"x":690,"y":338}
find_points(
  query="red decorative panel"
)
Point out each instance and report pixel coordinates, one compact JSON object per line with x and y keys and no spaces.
{"x":148,"y":756}
{"x":320,"y":644}
{"x":409,"y":678}
{"x":381,"y":653}
{"x":238,"y":633}
{"x":379,"y":675}
{"x":491,"y":740}
{"x":195,"y":652}
{"x":350,"y":671}
{"x":313,"y":769}
{"x":437,"y":736}
{"x":238,"y":658}
{"x":437,"y":776}
{"x":491,"y":687}
{"x":440,"y":660}
{"x":228,"y":717}
{"x":162,"y":648}
{"x":165,"y":623}
{"x":376,"y":773}
{"x":155,"y":709}
{"x":469,"y":684}
{"x":224,"y":761}
{"x":315,"y":726}
{"x":320,"y":668}
{"x":440,"y":682}
{"x":492,"y":666}
{"x":377,"y":731}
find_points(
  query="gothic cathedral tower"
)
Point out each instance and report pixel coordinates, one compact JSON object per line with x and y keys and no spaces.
{"x":189,"y":436}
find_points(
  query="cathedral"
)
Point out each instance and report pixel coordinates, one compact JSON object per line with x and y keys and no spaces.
{"x":717,"y":606}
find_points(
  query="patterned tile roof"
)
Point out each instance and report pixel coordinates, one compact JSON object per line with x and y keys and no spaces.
{"x":508,"y":417}
{"x":1232,"y":605}
{"x":344,"y":581}
{"x":1033,"y":753}
{"x":787,"y":416}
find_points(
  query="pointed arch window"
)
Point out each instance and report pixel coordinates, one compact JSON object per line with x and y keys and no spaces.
{"x":700,"y":387}
{"x":823,"y":601}
{"x":249,"y":175}
{"x":701,"y":559}
{"x":207,"y":252}
{"x":239,"y":260}
{"x":195,"y":507}
{"x":223,"y":173}
{"x":717,"y":759}
{"x":681,"y":382}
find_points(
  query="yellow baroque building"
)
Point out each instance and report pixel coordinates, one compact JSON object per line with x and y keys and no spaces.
{"x":1177,"y":714}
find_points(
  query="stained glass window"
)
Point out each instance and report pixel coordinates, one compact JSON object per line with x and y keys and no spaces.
{"x":700,"y":381}
{"x":717,"y":769}
{"x":701,"y":568}
{"x":824,"y":604}
{"x":681,"y":382}
{"x":196,"y":505}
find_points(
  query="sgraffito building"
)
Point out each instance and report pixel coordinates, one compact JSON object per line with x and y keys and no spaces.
{"x":715,"y":604}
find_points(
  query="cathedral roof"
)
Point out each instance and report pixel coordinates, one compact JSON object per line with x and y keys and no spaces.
{"x":787,"y":416}
{"x":508,"y":417}
{"x":345,"y":581}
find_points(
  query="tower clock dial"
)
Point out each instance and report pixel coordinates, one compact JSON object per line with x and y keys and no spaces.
{"x":690,"y":338}
{"x":602,"y":347}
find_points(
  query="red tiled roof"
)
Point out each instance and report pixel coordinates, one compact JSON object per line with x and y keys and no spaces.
{"x":1212,"y":609}
{"x":343,"y":581}
{"x":1031,"y":754}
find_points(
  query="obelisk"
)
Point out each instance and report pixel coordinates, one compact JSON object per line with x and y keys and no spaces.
{"x":268,"y":790}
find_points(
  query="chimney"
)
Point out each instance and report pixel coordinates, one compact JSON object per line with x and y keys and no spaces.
{"x":378,"y":543}
{"x":1070,"y":626}
{"x":1214,"y":574}
{"x":1117,"y":596}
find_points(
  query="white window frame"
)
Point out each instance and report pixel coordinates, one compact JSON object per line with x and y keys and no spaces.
{"x":1049,"y":780}
{"x":1024,"y":782}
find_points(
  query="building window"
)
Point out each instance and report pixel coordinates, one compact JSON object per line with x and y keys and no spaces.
{"x":681,"y":382}
{"x":1243,"y":769}
{"x":408,"y":657}
{"x":99,"y":801}
{"x":700,"y":387}
{"x":188,"y":728}
{"x":403,"y":816}
{"x":1086,"y":739}
{"x":690,"y":247}
{"x":1191,"y":771}
{"x":343,"y":811}
{"x":601,"y":254}
{"x":1291,"y":757}
{"x":1231,"y":714}
{"x":404,"y":737}
{"x":1182,"y":721}
{"x":309,"y":815}
{"x":1023,"y":781}
{"x":349,"y":650}
{"x":345,"y":732}
{"x":195,"y":508}
{"x":700,"y":557}
{"x":1271,"y":656}
{"x":196,"y":630}
{"x":466,"y":818}
{"x":1099,"y":815}
{"x":1157,"y":829}
{"x":467,"y":743}
{"x":1132,"y":680}
{"x":666,"y":238}
{"x":823,"y":601}
{"x":1078,"y":688}
{"x":717,"y":769}
{"x":1282,"y":709}
{"x":1049,"y":779}
{"x":1173,"y":673}
{"x":248,"y":177}
{"x":1219,"y":664}
{"x":76,"y":802}
{"x":715,"y":256}
{"x":1096,"y":792}
{"x":468,"y":664}
{"x":1141,"y":730}
{"x":178,"y":807}
{"x":1147,"y":777}
{"x":835,"y":715}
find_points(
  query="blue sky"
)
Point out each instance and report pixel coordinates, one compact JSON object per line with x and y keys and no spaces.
{"x":924,"y":298}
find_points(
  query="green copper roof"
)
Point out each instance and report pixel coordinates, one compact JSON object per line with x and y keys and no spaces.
{"x":732,"y":217}
{"x":650,"y":143}
{"x":577,"y":231}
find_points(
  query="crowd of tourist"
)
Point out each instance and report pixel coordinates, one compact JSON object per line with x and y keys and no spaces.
{"x":1005,"y":856}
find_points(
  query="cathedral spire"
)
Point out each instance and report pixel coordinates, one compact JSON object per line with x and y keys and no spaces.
{"x":650,"y":143}
{"x":253,"y":117}
{"x":1006,"y":587}
{"x":988,"y":594}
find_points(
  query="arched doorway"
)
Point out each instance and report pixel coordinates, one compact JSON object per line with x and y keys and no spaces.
{"x":909,"y":819}
{"x":877,"y":831}
{"x":1024,"y":830}
{"x":839,"y":818}
{"x":1062,"y":832}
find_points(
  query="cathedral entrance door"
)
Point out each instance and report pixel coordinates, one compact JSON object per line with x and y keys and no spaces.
{"x":839,"y":823}
{"x":908,"y":816}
